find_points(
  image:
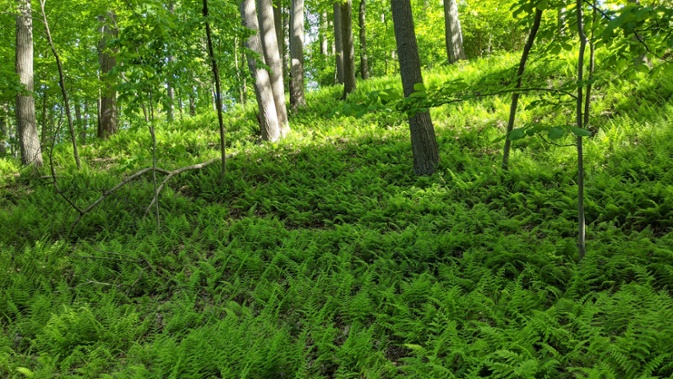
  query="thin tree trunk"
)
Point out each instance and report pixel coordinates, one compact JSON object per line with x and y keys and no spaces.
{"x":85,"y":123}
{"x":338,"y":44}
{"x":107,"y":60}
{"x":348,"y":47}
{"x":240,"y":77}
{"x":61,"y":82}
{"x":519,"y":78}
{"x":192,"y":103}
{"x":454,"y":33}
{"x":581,"y":238}
{"x":43,"y":118}
{"x":423,"y":140}
{"x":297,"y":98}
{"x":561,"y":20}
{"x":31,"y":153}
{"x":218,"y":91}
{"x":324,"y":25}
{"x":364,"y":67}
{"x":273,"y":60}
{"x":4,"y":130}
{"x":268,"y":117}
{"x":78,"y":119}
{"x":170,"y":93}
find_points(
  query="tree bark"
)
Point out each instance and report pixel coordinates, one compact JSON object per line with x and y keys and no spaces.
{"x":338,"y":44}
{"x":85,"y":122}
{"x":519,"y":78}
{"x":279,"y":22}
{"x":323,"y":30}
{"x":218,"y":91}
{"x":170,"y":93}
{"x":364,"y":67}
{"x":107,"y":61}
{"x":454,"y":33}
{"x":581,"y":236}
{"x":273,"y":60}
{"x":4,"y":130}
{"x":31,"y":153}
{"x":192,"y":102}
{"x":268,"y":117}
{"x":297,"y":98}
{"x":423,"y":140}
{"x":348,"y":47}
{"x":61,"y":82}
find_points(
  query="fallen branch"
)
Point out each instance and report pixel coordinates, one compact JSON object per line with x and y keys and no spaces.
{"x":171,"y":174}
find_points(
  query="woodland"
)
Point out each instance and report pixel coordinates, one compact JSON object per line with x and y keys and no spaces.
{"x":336,"y":189}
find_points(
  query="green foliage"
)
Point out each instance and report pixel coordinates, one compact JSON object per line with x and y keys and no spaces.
{"x":323,"y":256}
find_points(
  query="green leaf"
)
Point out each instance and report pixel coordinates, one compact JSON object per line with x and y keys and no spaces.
{"x":517,"y":134}
{"x":26,"y":372}
{"x":556,"y":132}
{"x":580,"y":132}
{"x":419,"y":87}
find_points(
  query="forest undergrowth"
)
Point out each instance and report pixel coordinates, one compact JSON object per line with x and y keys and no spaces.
{"x":324,"y":256}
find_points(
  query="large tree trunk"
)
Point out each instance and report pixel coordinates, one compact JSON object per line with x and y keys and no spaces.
{"x":423,"y":141}
{"x":297,"y":98}
{"x":267,"y":31}
{"x":364,"y":67}
{"x":25,"y":104}
{"x":454,"y":34}
{"x":348,"y":47}
{"x":107,"y":61}
{"x":338,"y":44}
{"x":268,"y":117}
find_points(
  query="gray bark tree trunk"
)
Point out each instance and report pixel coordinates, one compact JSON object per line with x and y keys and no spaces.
{"x":107,"y":61}
{"x":364,"y":67}
{"x":31,"y":153}
{"x":454,"y":34}
{"x":423,"y":140}
{"x":272,"y":57}
{"x":279,"y":22}
{"x":338,"y":45}
{"x":297,"y":98}
{"x":268,"y":116}
{"x":348,"y":46}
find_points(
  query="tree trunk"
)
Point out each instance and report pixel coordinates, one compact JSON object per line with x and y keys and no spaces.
{"x":519,"y":79}
{"x":297,"y":98}
{"x":268,"y":116}
{"x":4,"y":130}
{"x":273,"y":60}
{"x":364,"y":67}
{"x":78,"y":119}
{"x":348,"y":47}
{"x":31,"y":152}
{"x":218,"y":90}
{"x":423,"y":141}
{"x":240,"y":77}
{"x":170,"y":93}
{"x":61,"y":82}
{"x":279,"y":23}
{"x":107,"y":60}
{"x":323,"y":30}
{"x":454,"y":34}
{"x":43,"y":118}
{"x":192,"y":102}
{"x":85,"y":122}
{"x":338,"y":45}
{"x":581,"y":236}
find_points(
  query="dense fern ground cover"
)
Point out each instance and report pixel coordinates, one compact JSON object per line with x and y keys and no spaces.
{"x":325,"y":257}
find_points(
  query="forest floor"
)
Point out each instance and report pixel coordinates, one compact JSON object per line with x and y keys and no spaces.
{"x":324,"y":256}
